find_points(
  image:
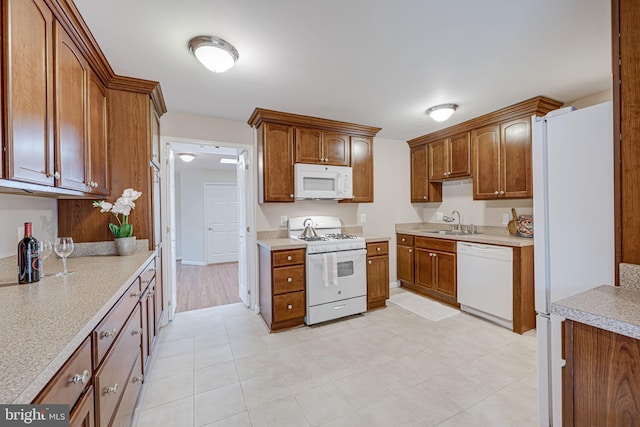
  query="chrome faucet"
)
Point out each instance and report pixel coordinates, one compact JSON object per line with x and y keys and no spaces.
{"x":459,"y":226}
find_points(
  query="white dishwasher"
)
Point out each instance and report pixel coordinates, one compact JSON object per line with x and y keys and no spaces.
{"x":485,"y":281}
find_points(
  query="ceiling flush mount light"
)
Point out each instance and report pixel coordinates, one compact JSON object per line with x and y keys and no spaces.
{"x":229,"y":161}
{"x":214,"y":53}
{"x":186,"y":157}
{"x":442,"y":112}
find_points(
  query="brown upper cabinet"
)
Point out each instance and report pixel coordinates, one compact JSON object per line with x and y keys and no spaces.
{"x":449,"y":158}
{"x":316,"y":146}
{"x":499,"y":144}
{"x":285,"y":139}
{"x":422,"y":189}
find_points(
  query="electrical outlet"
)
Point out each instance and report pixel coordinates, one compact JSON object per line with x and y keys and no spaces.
{"x":283,"y":220}
{"x":505,"y":219}
{"x":363,"y":218}
{"x":439,"y":216}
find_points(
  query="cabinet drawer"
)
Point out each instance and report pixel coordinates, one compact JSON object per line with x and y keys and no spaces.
{"x":291,"y":257}
{"x":62,"y":388}
{"x":107,"y":331}
{"x":405,"y":240}
{"x":436,"y":244}
{"x":288,"y":279}
{"x":379,"y":248}
{"x":112,"y":376}
{"x":288,"y":306}
{"x":147,"y":275}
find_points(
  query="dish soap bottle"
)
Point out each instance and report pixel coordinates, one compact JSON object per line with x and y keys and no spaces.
{"x":28,"y":257}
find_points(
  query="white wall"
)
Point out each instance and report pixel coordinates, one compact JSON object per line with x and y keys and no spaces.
{"x":191,"y":233}
{"x":593,"y":99}
{"x":206,"y":128}
{"x":15,"y":210}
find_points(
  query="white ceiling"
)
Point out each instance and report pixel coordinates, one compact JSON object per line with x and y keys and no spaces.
{"x":372,"y":62}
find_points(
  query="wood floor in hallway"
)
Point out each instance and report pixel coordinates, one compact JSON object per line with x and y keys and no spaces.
{"x":208,"y":286}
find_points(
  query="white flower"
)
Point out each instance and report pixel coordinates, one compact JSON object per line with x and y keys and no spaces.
{"x":131,"y":194}
{"x":103,"y":205}
{"x":121,"y":208}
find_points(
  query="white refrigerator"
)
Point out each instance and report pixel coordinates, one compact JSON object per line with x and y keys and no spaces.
{"x":573,"y":227}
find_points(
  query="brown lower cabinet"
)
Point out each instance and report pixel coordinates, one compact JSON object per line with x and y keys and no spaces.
{"x":377,"y":274}
{"x":101,"y":381}
{"x":435,"y":269}
{"x":601,"y":379}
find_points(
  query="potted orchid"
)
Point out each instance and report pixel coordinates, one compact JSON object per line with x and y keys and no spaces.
{"x":121,"y":209}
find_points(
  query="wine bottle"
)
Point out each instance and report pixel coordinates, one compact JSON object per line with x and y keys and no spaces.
{"x":28,"y":257}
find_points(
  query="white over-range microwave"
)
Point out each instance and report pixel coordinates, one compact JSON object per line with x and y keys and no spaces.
{"x":322,"y":182}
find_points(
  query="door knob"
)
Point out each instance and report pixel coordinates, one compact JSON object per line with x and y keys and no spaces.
{"x":210,"y":229}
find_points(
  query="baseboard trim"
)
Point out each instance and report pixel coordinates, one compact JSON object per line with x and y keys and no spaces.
{"x":395,"y":284}
{"x":200,"y":263}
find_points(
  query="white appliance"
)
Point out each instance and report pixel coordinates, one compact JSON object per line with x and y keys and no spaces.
{"x":336,"y":271}
{"x":573,"y":227}
{"x":322,"y":182}
{"x":485,"y":281}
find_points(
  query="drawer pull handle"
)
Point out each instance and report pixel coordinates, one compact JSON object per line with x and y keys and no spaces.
{"x":111,"y":390}
{"x":289,"y":307}
{"x":136,"y":294}
{"x":107,"y":334}
{"x":289,"y":258}
{"x":137,"y":331}
{"x":138,"y":379}
{"x":84,"y":378}
{"x":369,"y":262}
{"x":289,"y":279}
{"x":339,"y":307}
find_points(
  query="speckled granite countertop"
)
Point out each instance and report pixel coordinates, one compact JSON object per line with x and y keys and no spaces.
{"x":43,"y":323}
{"x":488,"y":235}
{"x":611,"y":308}
{"x":282,"y":244}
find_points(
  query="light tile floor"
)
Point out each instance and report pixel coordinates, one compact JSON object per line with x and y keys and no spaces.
{"x":220,"y":367}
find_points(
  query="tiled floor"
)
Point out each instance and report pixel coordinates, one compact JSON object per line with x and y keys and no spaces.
{"x":220,"y":367}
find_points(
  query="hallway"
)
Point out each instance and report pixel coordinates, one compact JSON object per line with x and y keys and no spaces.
{"x":206,"y":286}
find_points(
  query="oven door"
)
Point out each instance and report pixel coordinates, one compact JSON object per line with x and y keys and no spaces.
{"x":352,"y":277}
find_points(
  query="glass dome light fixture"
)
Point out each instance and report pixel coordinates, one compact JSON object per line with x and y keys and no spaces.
{"x":214,"y":53}
{"x":186,"y":157}
{"x":442,"y":112}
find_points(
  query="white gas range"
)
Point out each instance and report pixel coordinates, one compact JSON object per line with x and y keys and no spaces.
{"x":336,"y":272}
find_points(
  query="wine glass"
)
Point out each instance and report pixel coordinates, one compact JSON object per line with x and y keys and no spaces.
{"x":63,"y":247}
{"x":45,"y":248}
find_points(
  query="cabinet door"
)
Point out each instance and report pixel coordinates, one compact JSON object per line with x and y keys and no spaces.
{"x":445,"y":272}
{"x":29,"y":91}
{"x":377,"y":279}
{"x":309,"y":146}
{"x":83,"y":414}
{"x":459,"y":152}
{"x":145,"y":316}
{"x":362,"y":169}
{"x":277,"y":142}
{"x":425,"y":268}
{"x":99,"y":168}
{"x":486,"y":162}
{"x":335,"y":147}
{"x":419,"y":179}
{"x":71,"y":71}
{"x":516,"y":158}
{"x":405,"y":263}
{"x":438,"y":160}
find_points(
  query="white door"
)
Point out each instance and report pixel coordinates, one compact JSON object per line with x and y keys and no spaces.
{"x":221,"y":213}
{"x":242,"y":228}
{"x":171,"y":264}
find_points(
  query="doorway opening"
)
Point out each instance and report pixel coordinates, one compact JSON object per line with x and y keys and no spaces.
{"x":208,"y":234}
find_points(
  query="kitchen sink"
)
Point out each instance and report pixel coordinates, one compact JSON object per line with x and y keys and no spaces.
{"x":451,"y":232}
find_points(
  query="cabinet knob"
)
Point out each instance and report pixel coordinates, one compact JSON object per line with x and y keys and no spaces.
{"x":501,"y":193}
{"x":289,"y":279}
{"x":138,"y":379}
{"x":83,"y":379}
{"x":370,"y":262}
{"x":424,"y":197}
{"x":137,"y":331}
{"x":378,"y":249}
{"x":151,"y":293}
{"x":289,"y":307}
{"x":107,"y":334}
{"x":291,"y":195}
{"x":410,"y":250}
{"x":136,"y":294}
{"x":111,"y":390}
{"x":403,"y":239}
{"x":496,"y":192}
{"x":56,"y":175}
{"x":289,"y":258}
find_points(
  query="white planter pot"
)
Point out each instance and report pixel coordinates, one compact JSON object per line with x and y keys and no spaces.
{"x":125,"y":245}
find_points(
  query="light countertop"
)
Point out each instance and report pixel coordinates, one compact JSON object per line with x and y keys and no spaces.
{"x":43,"y":323}
{"x":611,"y":308}
{"x":487,"y":235}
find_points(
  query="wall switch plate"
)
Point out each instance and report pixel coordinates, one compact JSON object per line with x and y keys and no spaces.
{"x":363,"y":218}
{"x":505,"y":219}
{"x":283,"y":220}
{"x":439,"y":216}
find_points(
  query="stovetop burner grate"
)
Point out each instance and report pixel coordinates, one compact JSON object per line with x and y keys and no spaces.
{"x":341,"y":236}
{"x":313,"y":238}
